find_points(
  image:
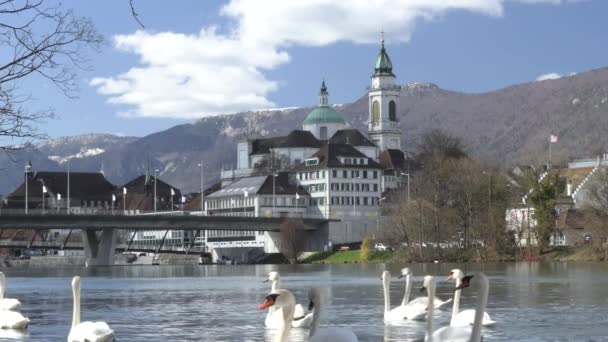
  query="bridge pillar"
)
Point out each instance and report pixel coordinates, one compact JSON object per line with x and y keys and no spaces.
{"x":99,"y":249}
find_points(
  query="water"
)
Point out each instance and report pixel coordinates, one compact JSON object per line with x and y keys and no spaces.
{"x":530,"y":302}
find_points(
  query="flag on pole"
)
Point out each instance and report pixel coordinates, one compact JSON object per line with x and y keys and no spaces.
{"x":246,"y":193}
{"x":44,"y":189}
{"x":297,"y":196}
{"x":553,"y":138}
{"x":59,"y":197}
{"x":172,"y":192}
{"x":124,"y":191}
{"x":183,"y":199}
{"x":113,"y":198}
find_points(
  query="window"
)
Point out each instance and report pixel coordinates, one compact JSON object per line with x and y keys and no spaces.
{"x":355,"y":161}
{"x":334,"y":173}
{"x":357,"y":200}
{"x":375,"y":187}
{"x":364,"y":174}
{"x":364,"y":200}
{"x":344,"y":174}
{"x":376,"y":111}
{"x":322,"y":201}
{"x":312,"y":161}
{"x":352,"y":174}
{"x":347,"y":161}
{"x":392,"y":111}
{"x":317,"y":175}
{"x":362,"y":161}
{"x":323,"y":133}
{"x":375,"y":174}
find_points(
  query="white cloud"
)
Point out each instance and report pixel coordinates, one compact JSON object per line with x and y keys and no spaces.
{"x":191,"y":76}
{"x":549,"y":76}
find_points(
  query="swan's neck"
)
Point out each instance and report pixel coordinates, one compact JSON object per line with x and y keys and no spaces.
{"x":430,"y":309}
{"x":76,"y":309}
{"x":456,"y":305}
{"x":387,"y":297}
{"x":408,"y":290}
{"x":2,"y":280}
{"x":482,"y":301}
{"x":275,"y":285}
{"x":316,"y":314}
{"x":284,"y":329}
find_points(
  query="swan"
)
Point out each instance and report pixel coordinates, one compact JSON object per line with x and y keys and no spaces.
{"x":283,"y":301}
{"x":402,"y":312}
{"x":457,"y":334}
{"x":332,"y":334}
{"x":466,"y":317}
{"x":7,"y":303}
{"x":407,"y":274}
{"x":274,"y":319}
{"x":86,"y":331}
{"x":13,"y":320}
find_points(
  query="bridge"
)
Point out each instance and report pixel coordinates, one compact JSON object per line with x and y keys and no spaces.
{"x":99,"y":231}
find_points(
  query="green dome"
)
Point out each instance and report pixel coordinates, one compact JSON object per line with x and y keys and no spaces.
{"x":324,"y":114}
{"x":383,"y":66}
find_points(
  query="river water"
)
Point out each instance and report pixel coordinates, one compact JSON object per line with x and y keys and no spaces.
{"x":530,"y":302}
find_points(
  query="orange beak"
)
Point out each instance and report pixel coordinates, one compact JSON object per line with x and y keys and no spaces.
{"x":267,"y":303}
{"x":450,"y":276}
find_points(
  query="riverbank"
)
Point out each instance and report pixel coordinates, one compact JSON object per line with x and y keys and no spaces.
{"x":562,"y":253}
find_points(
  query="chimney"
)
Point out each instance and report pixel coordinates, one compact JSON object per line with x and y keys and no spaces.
{"x":569,"y":188}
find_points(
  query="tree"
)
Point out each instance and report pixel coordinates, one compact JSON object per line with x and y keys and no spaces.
{"x":367,"y":248}
{"x":292,"y":239}
{"x":272,"y":163}
{"x":543,"y":199}
{"x":38,"y":38}
{"x":595,"y":210}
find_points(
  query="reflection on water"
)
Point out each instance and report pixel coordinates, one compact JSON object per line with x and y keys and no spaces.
{"x":531,"y":302}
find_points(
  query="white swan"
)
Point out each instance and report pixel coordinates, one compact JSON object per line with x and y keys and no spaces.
{"x":457,"y":334}
{"x":284,"y":301}
{"x":86,"y":331}
{"x":465,"y":317}
{"x":274,"y":318}
{"x":13,"y":320}
{"x":325,"y":334}
{"x":7,"y":303}
{"x":402,"y":312}
{"x":419,"y":300}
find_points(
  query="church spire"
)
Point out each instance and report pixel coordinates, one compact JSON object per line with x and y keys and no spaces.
{"x":383,"y":65}
{"x":323,"y":95}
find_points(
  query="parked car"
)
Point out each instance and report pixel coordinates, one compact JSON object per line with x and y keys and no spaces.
{"x":380,"y":247}
{"x":344,"y":248}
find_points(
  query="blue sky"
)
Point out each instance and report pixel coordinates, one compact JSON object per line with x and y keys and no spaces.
{"x":257,"y":54}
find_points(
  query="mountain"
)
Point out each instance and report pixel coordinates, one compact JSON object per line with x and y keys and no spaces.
{"x":502,"y":127}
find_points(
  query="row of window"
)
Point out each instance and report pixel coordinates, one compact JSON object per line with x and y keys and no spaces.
{"x":227,"y":233}
{"x":282,"y":202}
{"x":362,"y":174}
{"x":356,"y":200}
{"x":354,"y":161}
{"x":314,"y":187}
{"x":362,"y":187}
{"x":230,"y":203}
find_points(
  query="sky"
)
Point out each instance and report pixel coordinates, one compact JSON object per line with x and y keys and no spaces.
{"x":202,"y":58}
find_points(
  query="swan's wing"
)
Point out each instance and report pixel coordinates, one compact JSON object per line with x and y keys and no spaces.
{"x":9,"y":304}
{"x":409,"y":311}
{"x":91,"y":331}
{"x":453,"y":334}
{"x":467,"y":317}
{"x":13,"y":320}
{"x":419,"y":300}
{"x":439,"y":303}
{"x":298,"y":311}
{"x":303,"y":322}
{"x":334,"y":335}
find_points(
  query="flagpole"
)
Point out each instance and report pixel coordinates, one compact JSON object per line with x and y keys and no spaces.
{"x":68,"y":199}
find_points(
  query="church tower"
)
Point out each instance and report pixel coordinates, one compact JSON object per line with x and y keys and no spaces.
{"x":383,"y":127}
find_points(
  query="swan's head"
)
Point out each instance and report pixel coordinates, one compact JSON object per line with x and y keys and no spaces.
{"x":314,"y":297}
{"x":278,"y":299}
{"x":455,"y":274}
{"x":464,"y":282}
{"x":76,"y":282}
{"x":404,"y":272}
{"x":273,"y":276}
{"x":429,"y":281}
{"x":386,"y":277}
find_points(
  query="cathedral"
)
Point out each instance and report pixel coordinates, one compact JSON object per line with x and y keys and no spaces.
{"x":325,"y":169}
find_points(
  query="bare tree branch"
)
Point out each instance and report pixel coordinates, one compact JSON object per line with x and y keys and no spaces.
{"x":135,"y":14}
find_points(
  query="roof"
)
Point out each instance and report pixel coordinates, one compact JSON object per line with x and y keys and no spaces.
{"x":392,"y":159}
{"x":576,"y":176}
{"x":263,"y":146}
{"x":258,"y":185}
{"x":299,"y":138}
{"x":570,"y":219}
{"x":195,"y":202}
{"x":324,"y":114}
{"x":329,"y":154}
{"x":352,"y":137}
{"x":383,"y":66}
{"x":138,"y":185}
{"x":85,"y":185}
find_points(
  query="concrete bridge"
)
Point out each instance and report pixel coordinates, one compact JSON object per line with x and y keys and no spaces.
{"x":99,"y":231}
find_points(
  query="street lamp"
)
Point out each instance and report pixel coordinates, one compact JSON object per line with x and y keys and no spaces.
{"x":155,"y":171}
{"x":202,"y":188}
{"x":408,"y":184}
{"x":28,"y":169}
{"x":113,"y":200}
{"x":43,"y":198}
{"x":124,"y":200}
{"x":274,"y":200}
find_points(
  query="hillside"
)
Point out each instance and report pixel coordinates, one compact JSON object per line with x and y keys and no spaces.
{"x":504,"y":126}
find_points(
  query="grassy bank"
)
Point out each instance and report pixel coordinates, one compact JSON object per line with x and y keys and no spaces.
{"x":347,"y":257}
